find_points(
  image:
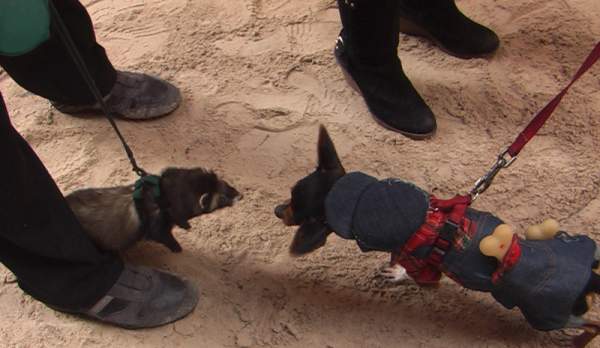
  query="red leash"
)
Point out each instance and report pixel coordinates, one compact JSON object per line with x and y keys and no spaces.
{"x":504,"y":161}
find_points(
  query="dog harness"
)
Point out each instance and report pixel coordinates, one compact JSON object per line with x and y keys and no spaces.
{"x":446,"y":226}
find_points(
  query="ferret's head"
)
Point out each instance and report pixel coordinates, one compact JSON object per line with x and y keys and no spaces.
{"x":188,"y":193}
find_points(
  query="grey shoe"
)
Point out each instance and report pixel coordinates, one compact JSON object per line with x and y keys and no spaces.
{"x":143,"y":298}
{"x":134,"y":96}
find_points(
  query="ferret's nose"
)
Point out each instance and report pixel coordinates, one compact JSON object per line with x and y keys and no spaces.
{"x":280,"y":210}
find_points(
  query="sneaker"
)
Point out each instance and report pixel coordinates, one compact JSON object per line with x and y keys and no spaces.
{"x":142,"y":298}
{"x":134,"y":96}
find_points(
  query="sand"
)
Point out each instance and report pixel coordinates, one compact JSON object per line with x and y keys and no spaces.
{"x":258,"y":77}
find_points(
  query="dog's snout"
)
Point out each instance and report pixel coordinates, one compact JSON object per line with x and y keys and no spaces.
{"x":280,"y":210}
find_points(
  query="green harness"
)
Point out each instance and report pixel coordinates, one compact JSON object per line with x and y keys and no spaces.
{"x":24,"y":25}
{"x":149,"y":181}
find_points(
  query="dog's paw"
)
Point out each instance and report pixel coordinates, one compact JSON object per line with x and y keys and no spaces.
{"x":394,"y":274}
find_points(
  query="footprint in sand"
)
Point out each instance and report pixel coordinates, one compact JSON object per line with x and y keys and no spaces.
{"x":301,"y":38}
{"x":275,"y":111}
{"x":322,"y":97}
{"x":136,"y":30}
{"x":283,"y":8}
{"x":267,"y":119}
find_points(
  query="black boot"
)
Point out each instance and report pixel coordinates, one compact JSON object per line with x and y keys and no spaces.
{"x":443,"y":23}
{"x":367,"y":52}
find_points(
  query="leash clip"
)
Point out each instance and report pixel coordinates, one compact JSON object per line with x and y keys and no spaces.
{"x":504,"y":160}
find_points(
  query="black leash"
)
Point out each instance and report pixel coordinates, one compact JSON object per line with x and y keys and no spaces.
{"x":65,"y":36}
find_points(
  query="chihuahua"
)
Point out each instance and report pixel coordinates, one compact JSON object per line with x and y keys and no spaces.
{"x":115,"y":221}
{"x":550,"y":280}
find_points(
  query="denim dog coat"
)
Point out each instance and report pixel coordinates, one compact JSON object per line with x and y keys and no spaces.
{"x":544,"y":283}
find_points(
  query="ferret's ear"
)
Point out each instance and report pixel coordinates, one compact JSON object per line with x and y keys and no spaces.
{"x":180,"y":210}
{"x":310,"y":236}
{"x":181,"y":202}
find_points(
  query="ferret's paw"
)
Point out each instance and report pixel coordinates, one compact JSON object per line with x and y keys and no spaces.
{"x":394,"y":274}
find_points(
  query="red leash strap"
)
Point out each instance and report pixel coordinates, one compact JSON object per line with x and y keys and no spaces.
{"x":538,"y":121}
{"x":507,"y":157}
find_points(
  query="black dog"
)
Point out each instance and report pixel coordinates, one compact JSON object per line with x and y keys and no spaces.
{"x":549,"y":280}
{"x":114,"y":220}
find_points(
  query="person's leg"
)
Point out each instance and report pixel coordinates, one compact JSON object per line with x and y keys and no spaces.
{"x":367,"y":53}
{"x":54,"y":261}
{"x":49,"y":71}
{"x":41,"y":241}
{"x":443,"y":23}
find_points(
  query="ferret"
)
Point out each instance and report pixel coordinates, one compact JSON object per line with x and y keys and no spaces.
{"x":114,"y":220}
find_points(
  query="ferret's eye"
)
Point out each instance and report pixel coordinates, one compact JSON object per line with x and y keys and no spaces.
{"x":205,"y":200}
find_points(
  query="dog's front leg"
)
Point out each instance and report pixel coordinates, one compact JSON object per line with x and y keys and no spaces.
{"x":394,"y":273}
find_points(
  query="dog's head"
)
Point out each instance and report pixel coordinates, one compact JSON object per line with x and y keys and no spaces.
{"x":306,"y":208}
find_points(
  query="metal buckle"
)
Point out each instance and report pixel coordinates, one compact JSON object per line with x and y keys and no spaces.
{"x":447,"y":231}
{"x":439,"y":251}
{"x":483,"y":183}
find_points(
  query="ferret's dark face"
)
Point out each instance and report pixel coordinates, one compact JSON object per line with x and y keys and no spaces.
{"x":306,"y":208}
{"x":223,"y":196}
{"x":192,"y":192}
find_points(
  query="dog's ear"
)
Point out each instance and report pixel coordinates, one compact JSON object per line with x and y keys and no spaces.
{"x":328,"y":157}
{"x":310,"y":236}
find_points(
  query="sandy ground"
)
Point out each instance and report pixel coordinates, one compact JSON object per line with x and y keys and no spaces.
{"x":258,"y":77}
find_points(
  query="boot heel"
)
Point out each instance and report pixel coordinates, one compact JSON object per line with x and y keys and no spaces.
{"x":349,"y":78}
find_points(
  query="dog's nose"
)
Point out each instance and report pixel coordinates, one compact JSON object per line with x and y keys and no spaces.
{"x":280,"y":210}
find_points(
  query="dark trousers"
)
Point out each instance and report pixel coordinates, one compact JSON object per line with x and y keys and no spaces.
{"x":41,"y":241}
{"x":48,"y":71}
{"x":371,"y":30}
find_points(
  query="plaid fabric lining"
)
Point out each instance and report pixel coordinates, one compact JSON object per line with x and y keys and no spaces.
{"x":427,"y":271}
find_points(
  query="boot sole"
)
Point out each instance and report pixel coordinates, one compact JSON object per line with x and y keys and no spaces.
{"x":177,"y":317}
{"x":354,"y":86}
{"x":411,"y":28}
{"x":95,"y":112}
